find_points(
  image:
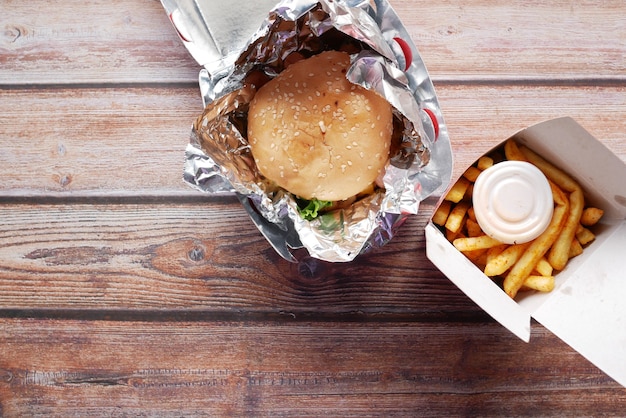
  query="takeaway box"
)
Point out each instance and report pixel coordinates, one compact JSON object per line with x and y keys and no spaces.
{"x":587,"y":307}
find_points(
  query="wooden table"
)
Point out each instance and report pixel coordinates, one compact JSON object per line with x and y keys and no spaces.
{"x":123,"y":292}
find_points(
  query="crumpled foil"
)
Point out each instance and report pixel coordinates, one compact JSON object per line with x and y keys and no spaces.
{"x":218,"y":158}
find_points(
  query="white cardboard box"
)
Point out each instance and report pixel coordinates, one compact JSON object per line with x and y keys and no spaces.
{"x":587,"y":308}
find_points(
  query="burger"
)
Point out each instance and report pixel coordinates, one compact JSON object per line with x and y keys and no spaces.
{"x":318,"y":136}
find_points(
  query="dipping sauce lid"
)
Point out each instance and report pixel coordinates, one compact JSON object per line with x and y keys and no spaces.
{"x":513,"y":202}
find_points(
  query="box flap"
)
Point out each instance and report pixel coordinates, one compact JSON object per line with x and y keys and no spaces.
{"x":588,"y":311}
{"x":467,"y":277}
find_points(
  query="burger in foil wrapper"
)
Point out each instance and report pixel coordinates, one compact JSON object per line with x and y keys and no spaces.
{"x":224,"y":155}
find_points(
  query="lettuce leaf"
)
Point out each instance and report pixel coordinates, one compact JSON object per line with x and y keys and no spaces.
{"x":310,"y":209}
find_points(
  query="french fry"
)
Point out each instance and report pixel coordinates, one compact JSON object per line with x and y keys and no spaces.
{"x":484,"y":163}
{"x":584,"y":235}
{"x":540,"y":283}
{"x":456,"y":192}
{"x":591,"y":216}
{"x":558,"y":176}
{"x":471,"y":214}
{"x":457,"y":216}
{"x":505,"y":260}
{"x":471,"y":173}
{"x":543,"y":267}
{"x":441,"y":214}
{"x":451,"y":236}
{"x":531,"y":265}
{"x":476,"y":256}
{"x":512,"y":151}
{"x":493,"y":252}
{"x":473,"y":228}
{"x":575,"y":249}
{"x":538,"y":248}
{"x":559,"y":253}
{"x":475,"y":243}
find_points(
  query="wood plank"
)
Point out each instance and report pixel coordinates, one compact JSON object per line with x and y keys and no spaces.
{"x":131,"y":141}
{"x":86,"y":368}
{"x":203,"y":257}
{"x":91,"y":42}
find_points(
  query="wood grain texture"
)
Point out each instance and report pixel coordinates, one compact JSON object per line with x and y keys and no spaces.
{"x":131,"y":141}
{"x":123,"y":292}
{"x":205,"y":257}
{"x":304,"y":369}
{"x":460,"y":40}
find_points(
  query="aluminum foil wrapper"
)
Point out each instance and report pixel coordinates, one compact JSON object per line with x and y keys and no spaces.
{"x":383,"y":59}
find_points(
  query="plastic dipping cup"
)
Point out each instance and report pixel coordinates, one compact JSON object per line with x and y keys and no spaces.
{"x":513,"y":202}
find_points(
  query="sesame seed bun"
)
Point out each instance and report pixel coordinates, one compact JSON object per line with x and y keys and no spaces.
{"x":316,"y":134}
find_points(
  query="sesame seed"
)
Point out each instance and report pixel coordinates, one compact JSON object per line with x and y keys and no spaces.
{"x":349,"y":163}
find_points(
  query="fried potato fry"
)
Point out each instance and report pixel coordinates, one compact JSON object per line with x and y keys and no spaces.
{"x":484,"y":163}
{"x":505,"y":260}
{"x":473,"y":228}
{"x":471,"y":214}
{"x":584,"y":235}
{"x":456,"y":192}
{"x":559,"y":253}
{"x":493,"y":252}
{"x":476,"y":256}
{"x":543,"y":267}
{"x":457,"y":216}
{"x":512,"y":151}
{"x":540,"y":283}
{"x":472,"y":173}
{"x":591,"y":216}
{"x":539,"y":247}
{"x":558,"y":176}
{"x":451,"y":236}
{"x":575,"y":249}
{"x":531,"y":265}
{"x":441,"y":214}
{"x":475,"y":243}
